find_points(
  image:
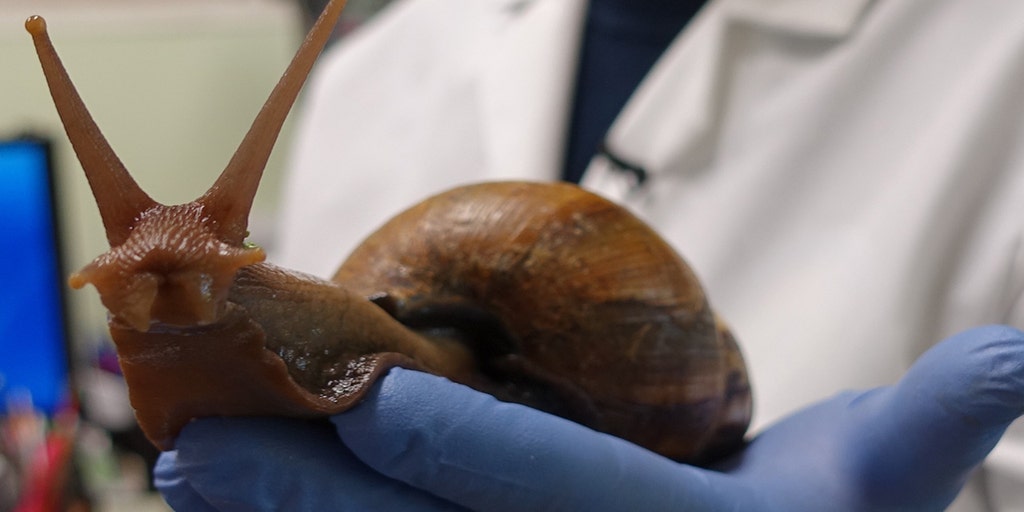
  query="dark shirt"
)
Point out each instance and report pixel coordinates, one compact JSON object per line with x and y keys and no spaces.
{"x":621,"y":41}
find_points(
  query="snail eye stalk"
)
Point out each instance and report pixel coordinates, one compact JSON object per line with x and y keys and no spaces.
{"x":118,"y":196}
{"x":229,"y":200}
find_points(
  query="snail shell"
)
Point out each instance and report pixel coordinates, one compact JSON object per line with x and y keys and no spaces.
{"x":571,"y":304}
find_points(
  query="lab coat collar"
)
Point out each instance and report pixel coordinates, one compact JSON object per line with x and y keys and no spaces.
{"x":526,"y":89}
{"x":526,"y":84}
{"x":823,"y":18}
{"x":686,"y":80}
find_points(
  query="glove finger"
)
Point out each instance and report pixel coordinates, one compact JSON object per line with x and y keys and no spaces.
{"x":942,"y":418}
{"x":281,"y":464}
{"x":977,"y":376}
{"x":175,"y":488}
{"x":472,"y":449}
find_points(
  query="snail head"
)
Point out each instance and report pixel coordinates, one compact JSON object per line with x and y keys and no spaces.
{"x":173,"y":264}
{"x":173,"y":268}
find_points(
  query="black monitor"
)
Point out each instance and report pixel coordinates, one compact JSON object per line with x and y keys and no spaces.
{"x":34,"y":348}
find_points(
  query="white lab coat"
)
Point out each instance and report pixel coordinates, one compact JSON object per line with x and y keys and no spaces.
{"x":845,"y":176}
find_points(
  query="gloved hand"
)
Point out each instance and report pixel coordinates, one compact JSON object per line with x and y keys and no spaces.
{"x":420,"y":442}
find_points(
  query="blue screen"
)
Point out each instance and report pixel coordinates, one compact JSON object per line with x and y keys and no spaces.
{"x":33,"y":360}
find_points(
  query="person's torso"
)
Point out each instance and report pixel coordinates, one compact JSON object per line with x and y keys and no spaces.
{"x":842,"y":181}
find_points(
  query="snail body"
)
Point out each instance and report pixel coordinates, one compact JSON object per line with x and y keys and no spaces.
{"x":538,"y":293}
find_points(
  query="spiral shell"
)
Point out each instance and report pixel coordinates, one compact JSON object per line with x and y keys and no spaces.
{"x":571,"y":305}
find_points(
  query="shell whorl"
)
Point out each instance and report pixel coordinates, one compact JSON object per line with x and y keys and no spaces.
{"x":573,"y":305}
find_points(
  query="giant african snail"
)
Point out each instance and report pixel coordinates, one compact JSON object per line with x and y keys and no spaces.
{"x":542,"y":294}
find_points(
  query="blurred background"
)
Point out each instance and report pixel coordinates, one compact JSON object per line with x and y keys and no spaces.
{"x":174,"y":87}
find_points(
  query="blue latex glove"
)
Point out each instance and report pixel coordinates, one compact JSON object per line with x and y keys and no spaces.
{"x":419,"y":442}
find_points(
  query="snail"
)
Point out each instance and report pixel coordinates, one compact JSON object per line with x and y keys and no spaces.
{"x":538,"y":293}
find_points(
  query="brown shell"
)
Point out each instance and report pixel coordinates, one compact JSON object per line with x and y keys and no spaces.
{"x":572,"y":305}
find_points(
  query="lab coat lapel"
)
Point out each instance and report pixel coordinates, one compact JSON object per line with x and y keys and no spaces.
{"x":831,"y":18}
{"x":526,"y":89}
{"x":669,"y":123}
